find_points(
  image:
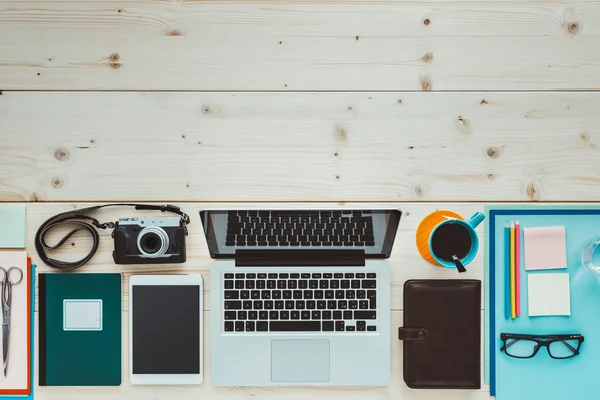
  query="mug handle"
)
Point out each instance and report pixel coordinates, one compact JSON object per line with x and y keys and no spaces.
{"x":476,"y":219}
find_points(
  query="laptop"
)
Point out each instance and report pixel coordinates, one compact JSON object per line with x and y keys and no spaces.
{"x":300,"y":297}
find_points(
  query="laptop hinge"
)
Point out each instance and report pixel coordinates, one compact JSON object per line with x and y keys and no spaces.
{"x":299,"y":258}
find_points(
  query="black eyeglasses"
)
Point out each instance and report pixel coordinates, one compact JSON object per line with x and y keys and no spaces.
{"x":526,"y":346}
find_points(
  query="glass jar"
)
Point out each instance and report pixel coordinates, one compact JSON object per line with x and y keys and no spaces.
{"x":590,"y":255}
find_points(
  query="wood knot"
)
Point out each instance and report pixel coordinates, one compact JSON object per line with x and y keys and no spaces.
{"x":426,"y":21}
{"x":340,"y":133}
{"x":493,"y":152}
{"x":427,"y":58}
{"x":572,"y":28}
{"x":112,"y":61}
{"x":206,"y":109}
{"x":336,"y":154}
{"x":411,"y":147}
{"x":425,"y":84}
{"x":532,"y":192}
{"x":174,"y":32}
{"x":62,"y":154}
{"x":584,"y":136}
{"x":337,"y":177}
{"x":491,"y":176}
{"x":419,"y":191}
{"x":399,"y":101}
{"x":349,"y":108}
{"x":407,"y":213}
{"x":357,"y":38}
{"x":483,"y":102}
{"x":57,"y":183}
{"x":463,"y":125}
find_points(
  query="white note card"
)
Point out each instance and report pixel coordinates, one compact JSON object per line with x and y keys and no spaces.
{"x":82,"y":315}
{"x":548,"y":294}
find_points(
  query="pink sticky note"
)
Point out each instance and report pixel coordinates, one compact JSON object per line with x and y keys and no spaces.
{"x":545,"y":248}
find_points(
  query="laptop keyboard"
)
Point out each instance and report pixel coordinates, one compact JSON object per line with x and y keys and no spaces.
{"x":300,"y":302}
{"x":300,"y":228}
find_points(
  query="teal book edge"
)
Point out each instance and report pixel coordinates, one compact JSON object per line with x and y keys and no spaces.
{"x":30,"y":396}
{"x":486,"y":306}
{"x":74,"y":349}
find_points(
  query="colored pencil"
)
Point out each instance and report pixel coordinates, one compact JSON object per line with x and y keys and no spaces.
{"x":507,"y":274}
{"x":513,"y":309}
{"x":518,"y":267}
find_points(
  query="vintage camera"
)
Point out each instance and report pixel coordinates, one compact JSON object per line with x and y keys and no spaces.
{"x":159,"y":240}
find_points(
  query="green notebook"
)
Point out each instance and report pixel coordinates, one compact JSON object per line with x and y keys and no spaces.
{"x":80,"y":329}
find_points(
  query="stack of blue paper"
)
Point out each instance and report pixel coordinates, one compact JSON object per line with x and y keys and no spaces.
{"x":543,"y":377}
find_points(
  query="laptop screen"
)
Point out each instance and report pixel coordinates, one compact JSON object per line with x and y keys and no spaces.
{"x":372,"y":231}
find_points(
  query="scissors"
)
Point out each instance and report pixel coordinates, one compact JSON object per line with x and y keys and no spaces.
{"x":13,"y":276}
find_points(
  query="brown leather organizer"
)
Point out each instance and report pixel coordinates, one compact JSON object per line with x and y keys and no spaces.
{"x":442,"y":334}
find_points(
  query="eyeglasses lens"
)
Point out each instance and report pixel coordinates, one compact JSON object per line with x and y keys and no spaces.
{"x":563,"y":348}
{"x":521,"y":348}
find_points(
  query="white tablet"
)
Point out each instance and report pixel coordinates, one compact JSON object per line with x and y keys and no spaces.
{"x":165,"y":330}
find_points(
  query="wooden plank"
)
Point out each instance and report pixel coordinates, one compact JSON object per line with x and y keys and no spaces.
{"x":283,"y":46}
{"x":405,"y":263}
{"x":299,"y":147}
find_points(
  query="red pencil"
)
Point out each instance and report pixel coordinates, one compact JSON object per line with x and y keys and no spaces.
{"x":518,"y":265}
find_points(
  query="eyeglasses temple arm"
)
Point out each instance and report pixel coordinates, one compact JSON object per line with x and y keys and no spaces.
{"x":573,"y":349}
{"x":507,"y":345}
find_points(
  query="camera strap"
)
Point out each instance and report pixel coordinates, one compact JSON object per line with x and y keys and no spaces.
{"x":85,"y":223}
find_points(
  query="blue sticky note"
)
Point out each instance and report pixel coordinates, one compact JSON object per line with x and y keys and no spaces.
{"x":12,"y":227}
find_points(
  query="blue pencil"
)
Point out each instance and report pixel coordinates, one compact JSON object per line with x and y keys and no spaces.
{"x":507,"y":305}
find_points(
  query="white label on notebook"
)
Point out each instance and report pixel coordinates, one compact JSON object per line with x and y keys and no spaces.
{"x":82,"y":315}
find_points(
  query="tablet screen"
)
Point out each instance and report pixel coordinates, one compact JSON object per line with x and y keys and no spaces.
{"x":166,"y":329}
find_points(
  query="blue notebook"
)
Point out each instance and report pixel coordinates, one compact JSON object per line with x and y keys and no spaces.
{"x":541,"y":376}
{"x":30,"y":397}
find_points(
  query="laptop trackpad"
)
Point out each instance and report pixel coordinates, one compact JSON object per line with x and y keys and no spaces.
{"x":300,"y":360}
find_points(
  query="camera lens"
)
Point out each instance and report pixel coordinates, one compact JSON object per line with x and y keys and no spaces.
{"x":150,"y":243}
{"x":153,"y":241}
